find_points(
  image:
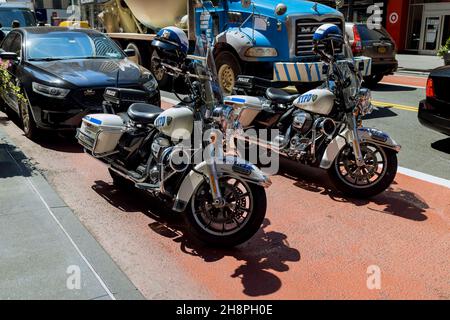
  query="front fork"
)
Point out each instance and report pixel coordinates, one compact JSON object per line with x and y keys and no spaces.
{"x":213,"y":177}
{"x":353,"y":124}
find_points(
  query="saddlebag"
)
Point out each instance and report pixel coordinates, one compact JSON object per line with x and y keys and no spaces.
{"x":100,"y":134}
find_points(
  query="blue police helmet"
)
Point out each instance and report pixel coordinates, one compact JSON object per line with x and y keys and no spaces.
{"x":327,"y":32}
{"x":171,"y":42}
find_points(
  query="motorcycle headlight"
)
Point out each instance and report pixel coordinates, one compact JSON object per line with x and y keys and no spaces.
{"x":258,"y":52}
{"x":365,"y":101}
{"x":52,"y":92}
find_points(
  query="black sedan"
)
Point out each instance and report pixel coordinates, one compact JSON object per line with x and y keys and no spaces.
{"x":63,"y":74}
{"x":434,"y":112}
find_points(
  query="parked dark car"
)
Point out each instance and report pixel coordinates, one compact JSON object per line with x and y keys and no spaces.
{"x":376,"y":44}
{"x":63,"y":74}
{"x":434,"y":111}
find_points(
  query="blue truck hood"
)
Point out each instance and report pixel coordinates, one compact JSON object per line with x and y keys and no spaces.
{"x":267,"y":8}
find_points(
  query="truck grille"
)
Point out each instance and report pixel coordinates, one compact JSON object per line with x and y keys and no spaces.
{"x":304,"y":32}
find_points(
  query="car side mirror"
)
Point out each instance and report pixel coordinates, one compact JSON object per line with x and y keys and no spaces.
{"x":9,"y":56}
{"x":130,"y":52}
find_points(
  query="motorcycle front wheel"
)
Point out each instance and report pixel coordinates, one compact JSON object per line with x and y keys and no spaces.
{"x":367,"y":181}
{"x":235,"y":222}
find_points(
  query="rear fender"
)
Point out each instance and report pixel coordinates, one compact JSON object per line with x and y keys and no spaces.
{"x":231,"y":166}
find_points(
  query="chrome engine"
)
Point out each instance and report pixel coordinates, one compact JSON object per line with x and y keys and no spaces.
{"x":307,"y":131}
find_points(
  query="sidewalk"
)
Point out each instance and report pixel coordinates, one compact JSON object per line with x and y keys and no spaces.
{"x":418,"y":63}
{"x":43,"y":246}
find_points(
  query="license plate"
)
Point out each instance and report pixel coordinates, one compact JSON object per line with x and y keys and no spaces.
{"x":382,"y":50}
{"x":85,"y":140}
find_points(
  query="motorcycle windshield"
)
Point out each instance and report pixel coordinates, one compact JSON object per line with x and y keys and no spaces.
{"x":206,"y":73}
{"x":349,"y":71}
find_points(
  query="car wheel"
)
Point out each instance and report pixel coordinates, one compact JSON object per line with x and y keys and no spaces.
{"x":28,"y":124}
{"x":372,"y":80}
{"x":228,"y":68}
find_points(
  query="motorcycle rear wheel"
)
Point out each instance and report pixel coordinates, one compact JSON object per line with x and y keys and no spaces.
{"x":246,"y":209}
{"x":345,"y":177}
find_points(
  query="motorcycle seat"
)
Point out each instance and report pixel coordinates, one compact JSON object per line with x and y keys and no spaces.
{"x":143,"y":113}
{"x":280,"y":96}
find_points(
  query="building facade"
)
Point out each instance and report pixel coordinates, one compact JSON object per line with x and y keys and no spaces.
{"x":419,"y":26}
{"x":52,"y":11}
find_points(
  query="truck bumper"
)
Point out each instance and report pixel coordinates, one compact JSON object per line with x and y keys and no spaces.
{"x":312,"y":71}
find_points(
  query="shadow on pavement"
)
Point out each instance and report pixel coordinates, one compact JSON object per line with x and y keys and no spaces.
{"x":442,"y":145}
{"x":57,"y":141}
{"x":380,"y":112}
{"x":397,"y":202}
{"x":382,"y":87}
{"x":267,"y":252}
{"x":13,"y":162}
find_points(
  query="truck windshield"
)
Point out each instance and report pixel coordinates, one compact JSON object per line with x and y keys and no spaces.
{"x":71,"y":45}
{"x":25,"y":17}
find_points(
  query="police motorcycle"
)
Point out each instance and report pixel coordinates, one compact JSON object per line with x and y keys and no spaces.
{"x":175,"y":154}
{"x":323,"y":127}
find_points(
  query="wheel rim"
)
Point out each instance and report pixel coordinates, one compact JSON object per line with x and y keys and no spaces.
{"x":227,"y":220}
{"x":227,"y":78}
{"x":370,"y":174}
{"x":25,"y":117}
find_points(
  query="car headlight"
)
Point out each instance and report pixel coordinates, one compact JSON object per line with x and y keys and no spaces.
{"x":52,"y":92}
{"x":261,"y":52}
{"x":151,"y":84}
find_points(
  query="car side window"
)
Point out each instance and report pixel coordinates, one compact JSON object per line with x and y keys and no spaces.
{"x":6,"y":45}
{"x":16,"y":45}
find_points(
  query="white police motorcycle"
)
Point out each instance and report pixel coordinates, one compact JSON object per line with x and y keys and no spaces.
{"x":222,"y":197}
{"x":323,"y":127}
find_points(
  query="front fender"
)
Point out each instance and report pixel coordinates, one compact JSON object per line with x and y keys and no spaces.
{"x":366,"y":135}
{"x":241,"y":39}
{"x":230,"y":166}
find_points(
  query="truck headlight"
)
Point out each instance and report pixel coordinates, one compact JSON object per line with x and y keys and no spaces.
{"x":261,"y":52}
{"x":52,"y":92}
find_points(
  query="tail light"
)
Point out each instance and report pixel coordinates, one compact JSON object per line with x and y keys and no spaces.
{"x":430,"y":89}
{"x":357,"y":43}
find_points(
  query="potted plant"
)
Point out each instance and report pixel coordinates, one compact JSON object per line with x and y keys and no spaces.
{"x":444,"y":52}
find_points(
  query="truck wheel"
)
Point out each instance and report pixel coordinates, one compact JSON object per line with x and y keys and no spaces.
{"x":138,"y":58}
{"x":164,"y":80}
{"x":228,"y":68}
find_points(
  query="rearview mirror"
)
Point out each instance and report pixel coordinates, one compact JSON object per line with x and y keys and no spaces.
{"x":130,"y":52}
{"x":9,"y":56}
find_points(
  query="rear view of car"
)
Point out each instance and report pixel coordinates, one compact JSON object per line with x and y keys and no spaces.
{"x":434,"y":112}
{"x":376,"y":44}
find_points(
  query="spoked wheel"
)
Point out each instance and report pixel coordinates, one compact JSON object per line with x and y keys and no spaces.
{"x":373,"y":178}
{"x":228,"y":68}
{"x":233,"y":223}
{"x":28,"y":124}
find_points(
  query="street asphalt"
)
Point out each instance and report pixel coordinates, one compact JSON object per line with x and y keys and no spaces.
{"x":46,"y":253}
{"x":423,"y":150}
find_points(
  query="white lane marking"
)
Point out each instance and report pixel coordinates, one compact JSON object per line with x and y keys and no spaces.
{"x":33,"y":187}
{"x":424,"y":177}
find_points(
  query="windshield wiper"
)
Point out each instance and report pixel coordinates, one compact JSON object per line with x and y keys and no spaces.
{"x":45,"y":59}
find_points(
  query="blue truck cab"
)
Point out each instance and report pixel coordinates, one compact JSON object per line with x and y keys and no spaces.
{"x":265,"y":38}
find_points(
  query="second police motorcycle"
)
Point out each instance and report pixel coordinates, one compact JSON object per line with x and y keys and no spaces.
{"x":222,"y":197}
{"x":323,"y":127}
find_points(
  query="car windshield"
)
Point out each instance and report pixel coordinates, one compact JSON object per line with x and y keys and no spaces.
{"x":71,"y":45}
{"x":372,"y":34}
{"x":25,"y":17}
